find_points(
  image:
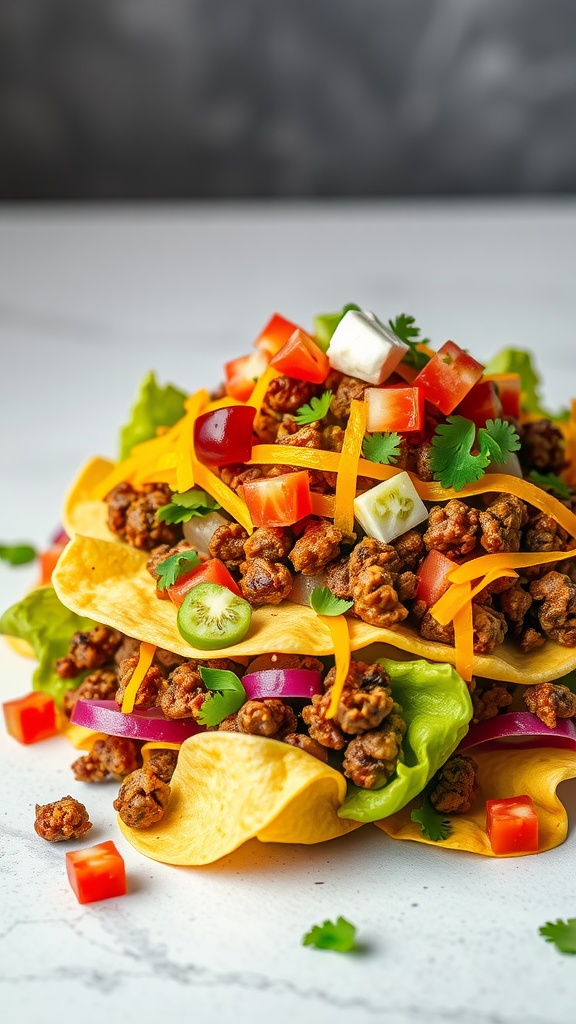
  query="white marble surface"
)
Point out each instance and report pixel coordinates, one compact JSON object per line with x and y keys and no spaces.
{"x":89,"y":300}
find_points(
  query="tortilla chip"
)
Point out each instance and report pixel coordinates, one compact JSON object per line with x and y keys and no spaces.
{"x":81,"y":514}
{"x":502,"y":773}
{"x":229,"y":787}
{"x":108,"y":581}
{"x":22,"y":647}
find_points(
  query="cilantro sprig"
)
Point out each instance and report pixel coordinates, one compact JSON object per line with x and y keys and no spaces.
{"x":384,"y":448}
{"x":182,"y":507}
{"x":405,"y":328}
{"x":550,"y":482}
{"x":324,"y":602}
{"x":17,"y":554}
{"x":316,"y":410}
{"x":339,"y":935}
{"x":561,"y":933}
{"x":170,"y":570}
{"x":229,"y":697}
{"x":433,"y":826}
{"x":451,"y":458}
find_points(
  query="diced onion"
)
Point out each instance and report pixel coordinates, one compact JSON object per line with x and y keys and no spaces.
{"x":142,"y":724}
{"x":282,"y":682}
{"x":199,"y":530}
{"x":303,"y":586}
{"x":520,"y":728}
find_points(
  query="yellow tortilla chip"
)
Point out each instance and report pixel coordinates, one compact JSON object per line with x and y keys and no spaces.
{"x":22,"y":647}
{"x":108,"y":581}
{"x":229,"y":787}
{"x":81,"y":514}
{"x":502,"y":773}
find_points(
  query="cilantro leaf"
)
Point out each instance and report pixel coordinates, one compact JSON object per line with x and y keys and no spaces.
{"x":451,"y":458}
{"x":550,"y":482}
{"x":182,"y":507}
{"x":323,"y":601}
{"x":317,"y":409}
{"x":339,"y":935}
{"x":326,"y":323}
{"x":17,"y":554}
{"x":405,"y":328}
{"x":383,"y":448}
{"x":561,"y":933}
{"x":228,"y":700}
{"x":155,"y":406}
{"x":433,"y":826}
{"x":170,"y":570}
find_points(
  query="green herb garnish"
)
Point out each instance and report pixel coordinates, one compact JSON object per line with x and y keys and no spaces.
{"x":324,"y":602}
{"x":561,"y":933}
{"x":383,"y":448}
{"x":182,"y":507}
{"x":551,"y":482}
{"x":317,"y":409}
{"x":405,"y":328}
{"x":338,"y":935}
{"x":17,"y":554}
{"x":171,"y":569}
{"x":155,"y":406}
{"x":433,"y":826}
{"x":228,"y":699}
{"x":451,"y":457}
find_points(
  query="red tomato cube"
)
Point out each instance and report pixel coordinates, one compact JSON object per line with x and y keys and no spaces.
{"x":432,"y":576}
{"x":211,"y":571}
{"x":31,"y":718}
{"x":241,"y":374}
{"x":279,"y":500}
{"x":275,"y":334}
{"x":509,"y":389}
{"x":481,"y":403}
{"x":301,"y":358}
{"x":512,"y":825}
{"x":96,"y":873}
{"x":448,"y":377}
{"x":394,"y":408}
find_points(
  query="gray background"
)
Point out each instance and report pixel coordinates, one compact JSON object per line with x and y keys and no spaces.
{"x":232,"y":98}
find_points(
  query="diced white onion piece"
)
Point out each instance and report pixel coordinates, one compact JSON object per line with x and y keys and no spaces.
{"x":389,"y":509}
{"x":198,"y":530}
{"x":512,"y":466}
{"x":363,"y":347}
{"x":303,"y":586}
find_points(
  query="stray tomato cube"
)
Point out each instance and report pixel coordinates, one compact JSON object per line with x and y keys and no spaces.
{"x":448,"y":377}
{"x":394,"y":408}
{"x":275,"y":334}
{"x":31,"y":718}
{"x":211,"y":571}
{"x":96,"y":873}
{"x":432,"y":576}
{"x":512,"y":825}
{"x":279,"y":500}
{"x":301,"y":358}
{"x":481,"y":403}
{"x":509,"y":388}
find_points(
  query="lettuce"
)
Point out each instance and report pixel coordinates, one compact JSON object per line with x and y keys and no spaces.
{"x":437,"y":708}
{"x":43,"y":621}
{"x":154,"y":407}
{"x":326,"y":323}
{"x":517,"y":360}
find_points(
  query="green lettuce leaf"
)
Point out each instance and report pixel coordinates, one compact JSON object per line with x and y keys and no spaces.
{"x":437,"y":708}
{"x":43,"y":621}
{"x":326,"y":323}
{"x":154,"y":407}
{"x":517,"y":360}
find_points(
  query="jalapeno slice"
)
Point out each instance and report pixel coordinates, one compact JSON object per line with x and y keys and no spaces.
{"x":212,"y":617}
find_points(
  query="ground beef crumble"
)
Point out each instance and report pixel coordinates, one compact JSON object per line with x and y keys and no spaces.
{"x":61,"y":820}
{"x":454,"y":786}
{"x":142,"y":798}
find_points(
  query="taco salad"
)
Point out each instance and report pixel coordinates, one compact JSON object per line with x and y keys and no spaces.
{"x":339,"y":589}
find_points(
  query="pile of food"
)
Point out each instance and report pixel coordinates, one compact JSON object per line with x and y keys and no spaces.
{"x":339,"y":589}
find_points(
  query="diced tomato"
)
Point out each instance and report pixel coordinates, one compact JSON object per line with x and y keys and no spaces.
{"x":278,"y":500}
{"x":509,"y":391}
{"x":301,"y":358}
{"x":512,"y":825}
{"x":394,"y":409}
{"x":31,"y":718}
{"x":275,"y":334}
{"x":96,"y":873}
{"x":481,"y":403}
{"x":449,"y":375}
{"x":212,"y":571}
{"x":432,"y":576}
{"x":224,"y":435}
{"x":242,"y":373}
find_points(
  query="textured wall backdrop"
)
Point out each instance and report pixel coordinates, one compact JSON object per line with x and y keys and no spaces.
{"x":157,"y":98}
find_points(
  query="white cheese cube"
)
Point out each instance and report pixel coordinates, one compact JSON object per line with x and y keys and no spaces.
{"x":363,"y":347}
{"x":389,"y":509}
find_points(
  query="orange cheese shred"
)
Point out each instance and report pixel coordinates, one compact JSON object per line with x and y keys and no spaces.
{"x":348,"y":468}
{"x":224,"y":495}
{"x":261,"y":387}
{"x":147,"y":652}
{"x":485,"y":564}
{"x":338,"y":626}
{"x":464,"y":638}
{"x":448,"y":606}
{"x":147,"y":749}
{"x":194,"y":405}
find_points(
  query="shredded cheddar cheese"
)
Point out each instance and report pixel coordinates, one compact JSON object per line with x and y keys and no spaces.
{"x":261,"y":387}
{"x":448,"y":606}
{"x":147,"y":652}
{"x":464,"y":638}
{"x":224,"y":495}
{"x":338,"y":626}
{"x":348,"y":468}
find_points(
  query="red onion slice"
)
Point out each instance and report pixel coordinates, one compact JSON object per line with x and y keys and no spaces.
{"x":520,"y":728}
{"x":282,"y":682}
{"x":141,"y":724}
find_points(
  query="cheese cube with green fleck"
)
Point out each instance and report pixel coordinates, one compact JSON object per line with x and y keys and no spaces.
{"x":389,"y":509}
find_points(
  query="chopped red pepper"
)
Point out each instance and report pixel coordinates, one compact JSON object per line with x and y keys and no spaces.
{"x":224,"y":435}
{"x":509,"y":389}
{"x":96,"y":873}
{"x":275,"y":334}
{"x":242,"y":373}
{"x":31,"y":718}
{"x":301,"y":358}
{"x":481,"y":403}
{"x":212,"y":571}
{"x":448,"y":377}
{"x":394,"y":408}
{"x":278,"y":500}
{"x":432,"y":576}
{"x":512,"y":825}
